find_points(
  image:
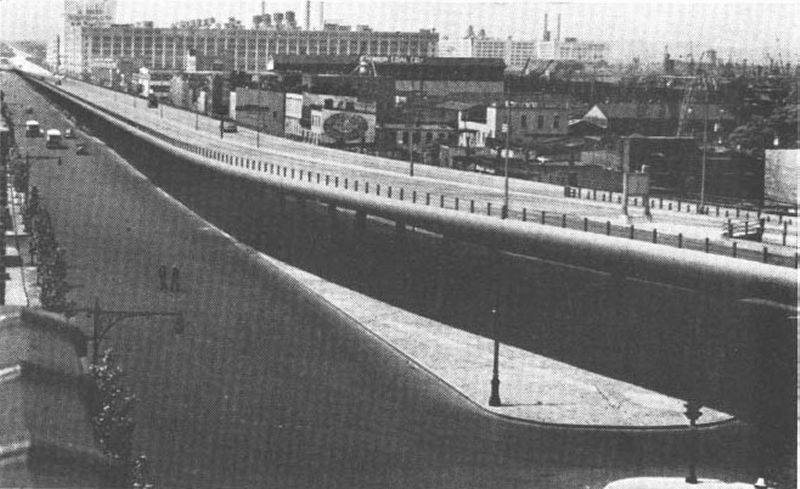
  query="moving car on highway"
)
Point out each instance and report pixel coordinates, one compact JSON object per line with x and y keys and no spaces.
{"x":53,"y":138}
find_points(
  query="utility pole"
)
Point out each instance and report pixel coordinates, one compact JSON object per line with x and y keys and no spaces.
{"x":260,"y":117}
{"x":410,"y":146}
{"x":507,"y":130}
{"x":705,"y":155}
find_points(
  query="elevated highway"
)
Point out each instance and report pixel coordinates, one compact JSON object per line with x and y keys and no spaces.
{"x":546,"y":203}
{"x":681,"y":322}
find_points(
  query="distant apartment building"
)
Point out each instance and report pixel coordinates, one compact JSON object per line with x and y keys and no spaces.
{"x":78,"y":14}
{"x":241,"y":49}
{"x":518,"y":53}
{"x":570,"y":49}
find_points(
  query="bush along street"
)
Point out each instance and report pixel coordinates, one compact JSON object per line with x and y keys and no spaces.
{"x":48,"y":255}
{"x":20,"y":173}
{"x":112,"y":418}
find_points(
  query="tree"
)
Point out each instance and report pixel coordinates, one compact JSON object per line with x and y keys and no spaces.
{"x":32,"y":208}
{"x":778,"y":130}
{"x":112,"y":412}
{"x":20,"y":172}
{"x":53,"y":272}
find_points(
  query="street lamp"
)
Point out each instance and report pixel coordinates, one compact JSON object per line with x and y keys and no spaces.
{"x":494,"y":398}
{"x":105,"y":320}
{"x":693,"y":413}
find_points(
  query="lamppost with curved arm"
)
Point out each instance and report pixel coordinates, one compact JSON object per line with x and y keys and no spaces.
{"x":105,"y":319}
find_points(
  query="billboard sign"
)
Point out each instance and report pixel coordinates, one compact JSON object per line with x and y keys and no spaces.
{"x":345,"y":127}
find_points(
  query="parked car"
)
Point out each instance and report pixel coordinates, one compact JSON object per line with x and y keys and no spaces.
{"x":29,"y":110}
{"x":69,"y":134}
{"x":82,"y":149}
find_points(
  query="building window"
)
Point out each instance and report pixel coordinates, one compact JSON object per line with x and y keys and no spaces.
{"x":556,"y":121}
{"x":428,"y":137}
{"x":540,"y":122}
{"x":523,"y":121}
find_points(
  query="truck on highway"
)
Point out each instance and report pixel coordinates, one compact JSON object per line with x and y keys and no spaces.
{"x":53,"y":138}
{"x":31,"y":129}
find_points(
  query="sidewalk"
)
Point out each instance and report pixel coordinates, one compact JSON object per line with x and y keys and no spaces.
{"x":533,"y":388}
{"x":20,"y":287}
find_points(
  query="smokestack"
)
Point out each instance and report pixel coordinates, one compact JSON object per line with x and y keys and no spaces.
{"x":263,"y":8}
{"x":546,"y":35}
{"x":558,"y":28}
{"x":308,"y":15}
{"x":321,"y":15}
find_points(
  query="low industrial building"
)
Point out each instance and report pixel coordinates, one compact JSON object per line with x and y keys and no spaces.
{"x":412,"y":76}
{"x":330,"y":119}
{"x":263,"y":110}
{"x":528,"y":122}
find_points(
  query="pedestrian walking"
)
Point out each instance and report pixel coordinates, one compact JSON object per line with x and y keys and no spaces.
{"x":162,"y":277}
{"x":175,"y":284}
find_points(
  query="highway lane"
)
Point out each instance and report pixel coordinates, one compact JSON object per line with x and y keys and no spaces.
{"x":244,"y":398}
{"x":535,"y":197}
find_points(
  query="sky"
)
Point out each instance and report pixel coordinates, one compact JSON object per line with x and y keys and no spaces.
{"x":741,"y":29}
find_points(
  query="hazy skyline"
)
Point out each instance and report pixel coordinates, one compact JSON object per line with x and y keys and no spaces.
{"x":741,"y":29}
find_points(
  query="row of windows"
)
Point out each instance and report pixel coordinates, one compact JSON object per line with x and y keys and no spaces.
{"x":540,"y":122}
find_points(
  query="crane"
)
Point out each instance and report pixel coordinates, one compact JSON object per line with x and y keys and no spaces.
{"x":699,"y":81}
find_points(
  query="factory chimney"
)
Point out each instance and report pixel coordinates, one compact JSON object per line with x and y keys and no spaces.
{"x":263,"y":8}
{"x":308,"y":15}
{"x":546,"y":35}
{"x":558,"y":28}
{"x":321,"y":15}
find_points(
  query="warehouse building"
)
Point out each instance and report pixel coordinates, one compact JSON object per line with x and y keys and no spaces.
{"x":242,"y":49}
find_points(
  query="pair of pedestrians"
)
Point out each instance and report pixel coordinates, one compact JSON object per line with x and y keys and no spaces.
{"x":174,"y":284}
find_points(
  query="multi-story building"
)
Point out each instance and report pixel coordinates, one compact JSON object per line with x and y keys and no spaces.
{"x":79,"y":14}
{"x":518,"y":53}
{"x":570,"y":49}
{"x":241,"y":49}
{"x":527,"y":120}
